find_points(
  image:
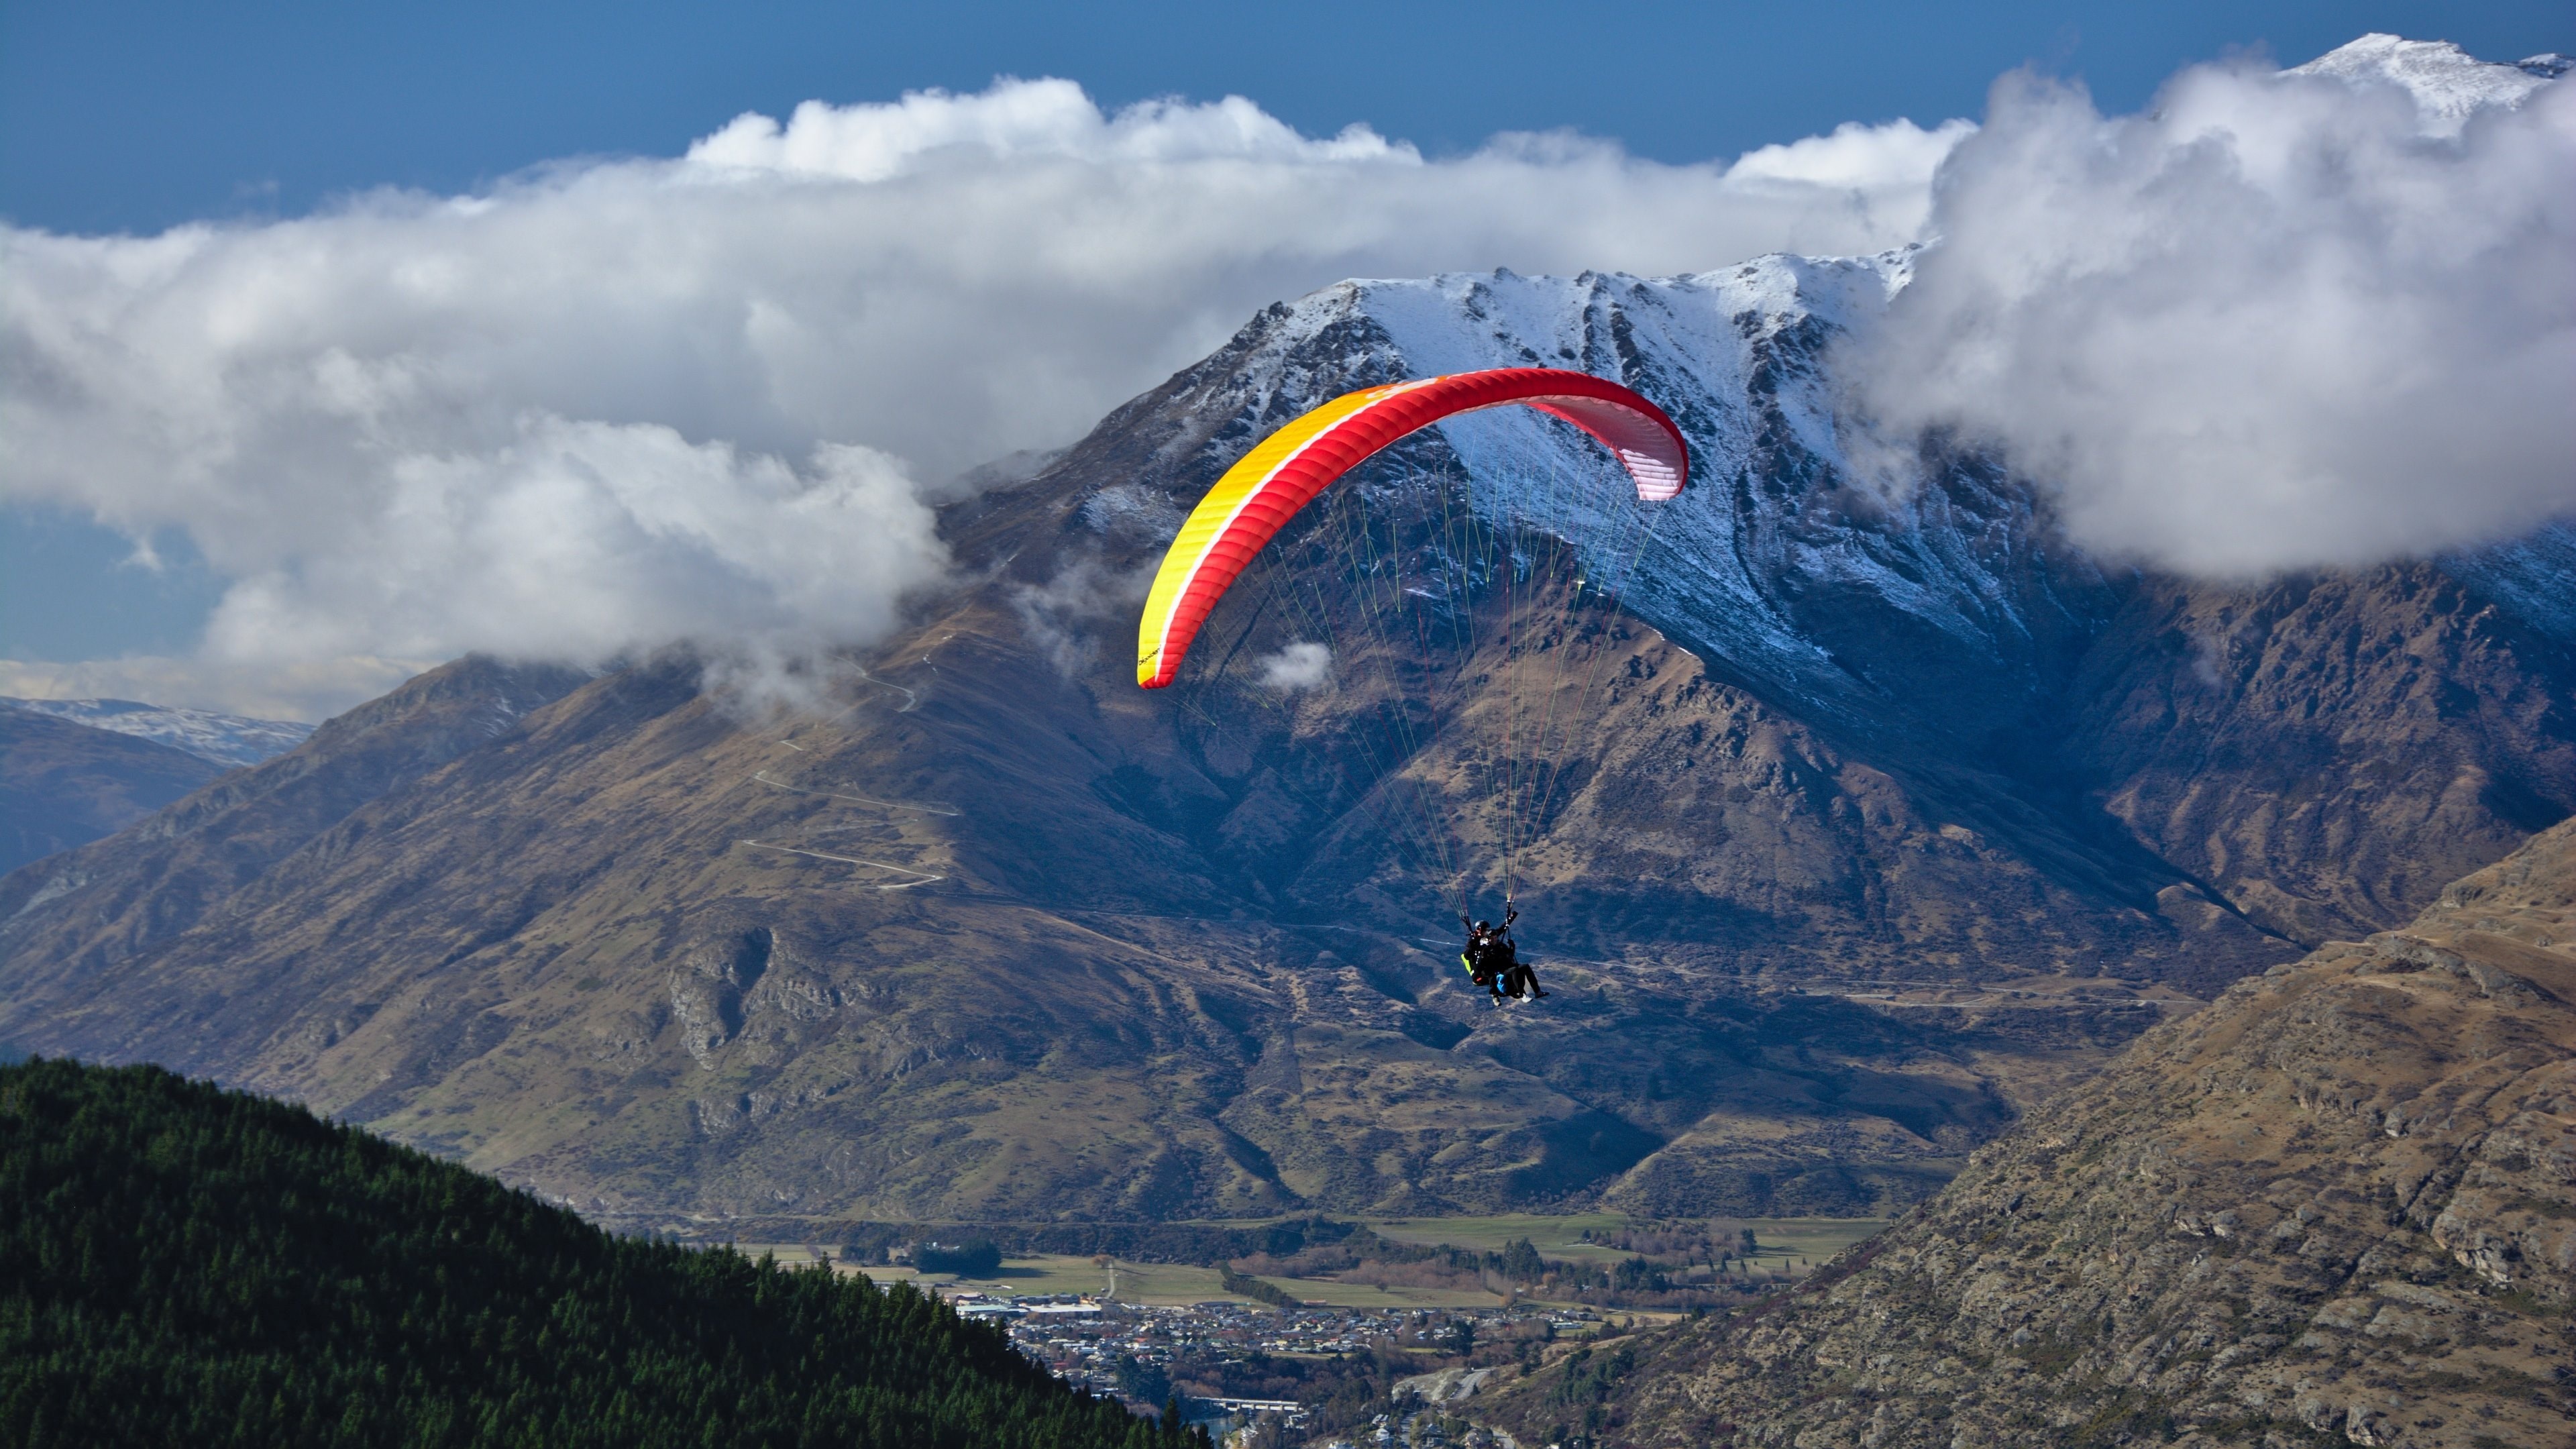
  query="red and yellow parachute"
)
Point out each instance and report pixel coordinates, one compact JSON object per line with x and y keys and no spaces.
{"x":1258,"y":495}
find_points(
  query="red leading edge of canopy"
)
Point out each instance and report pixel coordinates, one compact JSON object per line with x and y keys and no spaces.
{"x":1637,"y":432}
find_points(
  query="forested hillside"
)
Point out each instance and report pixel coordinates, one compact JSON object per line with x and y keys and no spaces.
{"x":180,"y":1264}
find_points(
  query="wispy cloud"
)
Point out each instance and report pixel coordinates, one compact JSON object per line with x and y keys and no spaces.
{"x":1301,"y":665}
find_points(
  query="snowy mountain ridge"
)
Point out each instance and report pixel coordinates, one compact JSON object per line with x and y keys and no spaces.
{"x":2448,"y":83}
{"x":1724,"y":352}
{"x":1771,"y":555}
{"x":230,"y":740}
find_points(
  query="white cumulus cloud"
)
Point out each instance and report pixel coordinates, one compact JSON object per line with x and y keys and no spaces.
{"x":609,"y":405}
{"x":2281,"y":319}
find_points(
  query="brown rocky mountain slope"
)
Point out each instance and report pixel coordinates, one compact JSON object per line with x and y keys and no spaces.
{"x":1824,"y":924}
{"x":633,"y":951}
{"x":2327,"y":751}
{"x":2339,"y":1205}
{"x":64,"y":784}
{"x":122,"y":897}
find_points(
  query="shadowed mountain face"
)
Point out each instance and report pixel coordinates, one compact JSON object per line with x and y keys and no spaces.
{"x":64,"y":784}
{"x":2304,"y":758}
{"x":2341,"y":1201}
{"x":1886,"y":821}
{"x":2326,"y":752}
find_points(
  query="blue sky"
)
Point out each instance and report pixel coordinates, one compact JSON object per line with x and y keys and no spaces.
{"x":131,"y":118}
{"x":116,"y":115}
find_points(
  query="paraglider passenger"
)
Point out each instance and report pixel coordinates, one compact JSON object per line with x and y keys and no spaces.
{"x":1512,"y":973}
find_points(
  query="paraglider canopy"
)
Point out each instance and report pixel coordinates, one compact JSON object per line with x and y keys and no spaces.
{"x":1260,"y":493}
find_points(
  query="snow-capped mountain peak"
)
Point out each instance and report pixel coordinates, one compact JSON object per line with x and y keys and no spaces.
{"x":1777,"y":558}
{"x":1736,"y":355}
{"x":2448,"y":83}
{"x":227,"y":739}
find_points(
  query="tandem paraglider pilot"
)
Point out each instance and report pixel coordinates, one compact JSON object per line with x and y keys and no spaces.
{"x":1494,"y":963}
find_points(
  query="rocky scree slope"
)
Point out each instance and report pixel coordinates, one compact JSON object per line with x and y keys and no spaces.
{"x":2339,"y":1205}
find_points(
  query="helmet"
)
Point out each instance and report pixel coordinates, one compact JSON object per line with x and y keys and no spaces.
{"x":1483,"y":926}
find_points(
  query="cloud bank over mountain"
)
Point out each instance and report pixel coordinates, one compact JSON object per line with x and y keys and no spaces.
{"x":2281,"y":319}
{"x":613,"y":404}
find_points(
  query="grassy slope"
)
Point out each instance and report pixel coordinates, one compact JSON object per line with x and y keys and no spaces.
{"x":181,"y":1264}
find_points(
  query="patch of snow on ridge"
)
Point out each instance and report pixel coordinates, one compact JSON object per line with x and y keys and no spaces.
{"x":2532,"y":578}
{"x":1677,"y":341}
{"x":226,"y":739}
{"x":2448,"y":83}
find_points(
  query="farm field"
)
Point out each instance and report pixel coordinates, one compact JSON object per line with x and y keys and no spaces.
{"x":1780,"y":1242}
{"x":1037,"y":1273}
{"x":1394,"y":1296}
{"x":1170,"y":1285}
{"x":1555,"y":1236}
{"x":1561,"y":1236}
{"x":1161,"y":1285}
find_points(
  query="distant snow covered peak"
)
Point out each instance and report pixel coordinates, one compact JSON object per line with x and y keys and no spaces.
{"x":226,"y":739}
{"x":2448,"y":83}
{"x":1821,"y":520}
